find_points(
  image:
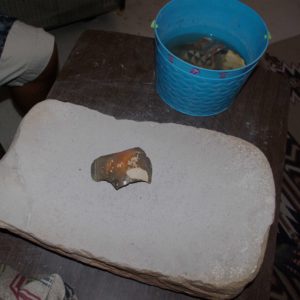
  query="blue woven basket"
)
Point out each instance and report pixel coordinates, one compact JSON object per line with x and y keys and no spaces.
{"x":197,"y":91}
{"x":194,"y":95}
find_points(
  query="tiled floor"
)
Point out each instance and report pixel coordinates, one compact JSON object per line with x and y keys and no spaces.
{"x":282,"y":18}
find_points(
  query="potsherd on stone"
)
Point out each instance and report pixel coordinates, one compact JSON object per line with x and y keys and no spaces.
{"x":122,"y":168}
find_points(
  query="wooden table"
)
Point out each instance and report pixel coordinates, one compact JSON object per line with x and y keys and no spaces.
{"x":114,"y":74}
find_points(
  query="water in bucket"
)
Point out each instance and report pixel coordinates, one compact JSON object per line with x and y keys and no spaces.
{"x":206,"y":52}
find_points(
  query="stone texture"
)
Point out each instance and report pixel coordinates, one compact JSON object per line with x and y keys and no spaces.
{"x":200,"y":227}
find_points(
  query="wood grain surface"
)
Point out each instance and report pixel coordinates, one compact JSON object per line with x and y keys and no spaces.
{"x":114,"y":74}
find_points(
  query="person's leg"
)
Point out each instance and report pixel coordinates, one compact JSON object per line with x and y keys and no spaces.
{"x":28,"y":64}
{"x":35,"y":91}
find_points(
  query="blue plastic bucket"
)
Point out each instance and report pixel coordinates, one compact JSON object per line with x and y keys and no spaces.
{"x":197,"y":91}
{"x":195,"y":95}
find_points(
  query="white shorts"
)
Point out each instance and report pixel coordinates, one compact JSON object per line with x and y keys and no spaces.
{"x":26,"y":54}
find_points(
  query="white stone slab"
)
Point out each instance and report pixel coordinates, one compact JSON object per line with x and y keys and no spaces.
{"x":200,"y":227}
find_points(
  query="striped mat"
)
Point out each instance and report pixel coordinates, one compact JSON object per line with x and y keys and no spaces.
{"x":286,"y":271}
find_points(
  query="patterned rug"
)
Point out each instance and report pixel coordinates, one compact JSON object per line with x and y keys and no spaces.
{"x":286,"y":271}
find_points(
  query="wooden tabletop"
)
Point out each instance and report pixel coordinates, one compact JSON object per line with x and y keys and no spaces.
{"x":114,"y":74}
